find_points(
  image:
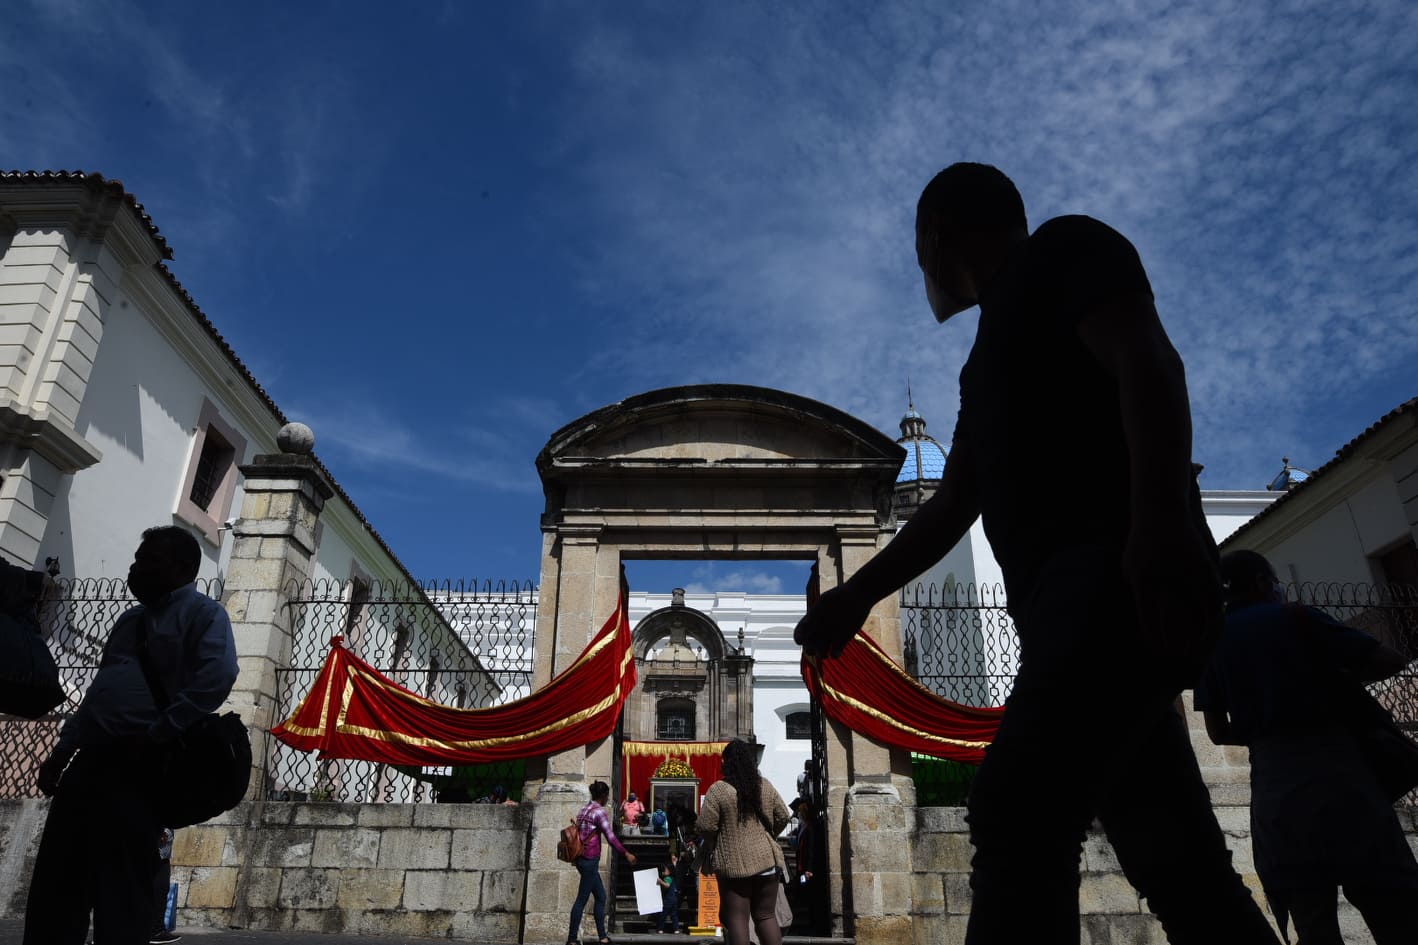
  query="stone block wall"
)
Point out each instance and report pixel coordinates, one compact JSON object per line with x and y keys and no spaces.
{"x":460,"y":871}
{"x":452,"y":870}
{"x":1112,"y":913}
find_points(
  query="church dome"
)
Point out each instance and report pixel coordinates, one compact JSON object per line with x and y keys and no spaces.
{"x":925,"y":457}
{"x":1288,"y":478}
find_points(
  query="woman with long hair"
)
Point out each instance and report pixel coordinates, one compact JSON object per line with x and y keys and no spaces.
{"x":745,"y":814}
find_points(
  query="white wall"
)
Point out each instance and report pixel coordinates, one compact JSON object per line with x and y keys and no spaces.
{"x":140,"y":410}
{"x":1228,"y":509}
{"x":1333,"y":540}
{"x":778,"y":690}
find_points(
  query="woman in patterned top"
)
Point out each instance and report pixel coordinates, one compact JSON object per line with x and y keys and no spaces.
{"x":594,"y":822}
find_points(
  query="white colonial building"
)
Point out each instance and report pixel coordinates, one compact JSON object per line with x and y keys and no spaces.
{"x":1353,"y":520}
{"x":122,"y":407}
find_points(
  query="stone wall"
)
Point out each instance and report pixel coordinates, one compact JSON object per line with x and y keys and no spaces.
{"x":1112,"y":913}
{"x":460,"y":871}
{"x":454,"y":870}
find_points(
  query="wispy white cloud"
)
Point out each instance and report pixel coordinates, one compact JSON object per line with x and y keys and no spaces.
{"x":756,"y":184}
{"x":390,"y":450}
{"x":749,"y":582}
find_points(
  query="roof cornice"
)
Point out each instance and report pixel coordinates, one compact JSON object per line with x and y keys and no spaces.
{"x":90,"y":206}
{"x":1359,"y":461}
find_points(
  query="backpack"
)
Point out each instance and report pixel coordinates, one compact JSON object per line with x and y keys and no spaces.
{"x":29,"y":680}
{"x":569,"y":847}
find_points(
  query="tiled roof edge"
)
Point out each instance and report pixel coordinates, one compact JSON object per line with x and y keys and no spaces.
{"x":1341,"y":454}
{"x":115,"y":188}
{"x":97,"y":181}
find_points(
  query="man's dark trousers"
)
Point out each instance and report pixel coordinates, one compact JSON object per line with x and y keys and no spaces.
{"x":1087,"y":733}
{"x":98,"y":853}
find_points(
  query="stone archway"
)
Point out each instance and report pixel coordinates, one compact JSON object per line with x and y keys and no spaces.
{"x":734,"y":472}
{"x":717,"y":689}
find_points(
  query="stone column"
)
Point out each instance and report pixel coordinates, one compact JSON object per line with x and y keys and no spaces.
{"x":871,"y":786}
{"x":273,"y":542}
{"x":585,"y":582}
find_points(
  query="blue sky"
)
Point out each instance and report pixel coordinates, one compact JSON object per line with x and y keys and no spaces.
{"x":438,"y":232}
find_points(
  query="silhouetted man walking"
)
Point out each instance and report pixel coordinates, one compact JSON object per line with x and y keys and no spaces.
{"x":1286,"y":682}
{"x":1073,"y":444}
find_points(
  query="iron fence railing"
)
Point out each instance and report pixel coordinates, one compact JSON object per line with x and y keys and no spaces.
{"x":961,"y":643}
{"x":76,"y":618}
{"x":461,"y":644}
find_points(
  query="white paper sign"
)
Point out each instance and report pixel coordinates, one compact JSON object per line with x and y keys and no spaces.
{"x":647,"y":892}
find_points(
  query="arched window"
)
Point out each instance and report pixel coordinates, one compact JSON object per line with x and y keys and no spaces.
{"x":674,"y":720}
{"x":799,"y":726}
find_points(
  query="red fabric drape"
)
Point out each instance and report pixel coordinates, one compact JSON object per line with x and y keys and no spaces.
{"x":352,"y":711}
{"x":865,"y":690}
{"x":638,"y":761}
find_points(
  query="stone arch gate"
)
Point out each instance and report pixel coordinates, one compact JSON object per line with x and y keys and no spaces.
{"x":735,"y":472}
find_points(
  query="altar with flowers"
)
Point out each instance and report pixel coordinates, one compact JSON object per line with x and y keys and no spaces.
{"x":663,"y":773}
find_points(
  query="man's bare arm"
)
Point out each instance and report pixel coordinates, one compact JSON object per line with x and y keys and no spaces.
{"x":1168,"y":562}
{"x":935,"y":528}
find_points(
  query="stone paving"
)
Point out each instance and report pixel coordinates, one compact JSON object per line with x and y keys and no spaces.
{"x":12,"y":932}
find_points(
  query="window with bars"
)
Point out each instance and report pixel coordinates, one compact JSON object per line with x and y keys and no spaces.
{"x":799,"y":725}
{"x":674,"y":720}
{"x":209,"y":483}
{"x":212,"y":464}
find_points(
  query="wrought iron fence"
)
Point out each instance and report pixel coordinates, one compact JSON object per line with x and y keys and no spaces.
{"x":462,"y":644}
{"x":961,"y":643}
{"x":76,"y":619}
{"x":1388,"y":612}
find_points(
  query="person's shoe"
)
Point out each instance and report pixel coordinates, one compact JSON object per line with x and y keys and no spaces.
{"x":164,"y":937}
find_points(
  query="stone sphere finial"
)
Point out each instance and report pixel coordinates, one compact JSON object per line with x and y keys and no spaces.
{"x":296,"y":438}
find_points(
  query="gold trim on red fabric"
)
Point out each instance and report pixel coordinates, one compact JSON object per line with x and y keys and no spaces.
{"x":356,"y":674}
{"x":894,"y":723}
{"x":671,"y":749}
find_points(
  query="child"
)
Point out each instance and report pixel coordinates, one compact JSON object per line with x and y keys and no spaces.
{"x":669,"y":898}
{"x":162,"y":878}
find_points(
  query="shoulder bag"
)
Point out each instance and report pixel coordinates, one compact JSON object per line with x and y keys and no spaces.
{"x":29,"y":680}
{"x":781,"y":910}
{"x":1390,"y":754}
{"x":206,"y":770}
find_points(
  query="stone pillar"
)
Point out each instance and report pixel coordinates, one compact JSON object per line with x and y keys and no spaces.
{"x":584,"y":580}
{"x":872,"y":788}
{"x":59,"y":274}
{"x":273,"y":542}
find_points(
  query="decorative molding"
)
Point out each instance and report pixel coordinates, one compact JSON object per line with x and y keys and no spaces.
{"x":88,"y":212}
{"x":49,"y":436}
